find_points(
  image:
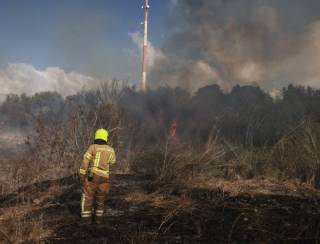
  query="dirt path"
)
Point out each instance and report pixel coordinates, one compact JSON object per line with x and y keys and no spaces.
{"x":141,"y":212}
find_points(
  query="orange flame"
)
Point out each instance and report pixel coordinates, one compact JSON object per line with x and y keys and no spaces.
{"x":173,"y":129}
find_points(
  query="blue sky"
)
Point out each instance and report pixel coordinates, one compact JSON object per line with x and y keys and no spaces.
{"x":85,"y":36}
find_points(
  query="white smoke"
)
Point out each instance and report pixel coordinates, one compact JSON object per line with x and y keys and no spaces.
{"x":241,"y":42}
{"x":21,"y":78}
{"x":304,"y":66}
{"x":153,"y":53}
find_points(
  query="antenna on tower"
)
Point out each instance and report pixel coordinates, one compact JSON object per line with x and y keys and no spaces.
{"x":143,"y":85}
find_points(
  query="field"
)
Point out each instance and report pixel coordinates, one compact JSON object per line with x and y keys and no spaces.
{"x":242,"y":171}
{"x":138,"y":211}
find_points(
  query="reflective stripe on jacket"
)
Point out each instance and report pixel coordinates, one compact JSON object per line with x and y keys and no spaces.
{"x":97,"y":160}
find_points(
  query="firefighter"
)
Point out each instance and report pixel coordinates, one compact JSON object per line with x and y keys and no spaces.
{"x":94,"y":176}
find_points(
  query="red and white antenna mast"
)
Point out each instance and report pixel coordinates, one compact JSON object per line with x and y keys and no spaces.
{"x":143,"y":85}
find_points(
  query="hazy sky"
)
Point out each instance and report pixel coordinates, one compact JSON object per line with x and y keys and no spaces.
{"x":90,"y":37}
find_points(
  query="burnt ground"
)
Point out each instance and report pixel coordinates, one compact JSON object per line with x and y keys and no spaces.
{"x":139,"y":211}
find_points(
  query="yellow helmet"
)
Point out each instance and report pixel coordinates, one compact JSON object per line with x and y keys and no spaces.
{"x":102,"y":134}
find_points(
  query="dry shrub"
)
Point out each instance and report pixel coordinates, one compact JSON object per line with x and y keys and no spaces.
{"x":250,"y":163}
{"x":19,"y":229}
{"x":177,"y":161}
{"x":20,"y":172}
{"x":184,"y":161}
{"x":148,"y":163}
{"x":297,"y":154}
{"x":57,"y":147}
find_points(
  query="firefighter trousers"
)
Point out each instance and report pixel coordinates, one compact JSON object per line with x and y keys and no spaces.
{"x":93,"y":196}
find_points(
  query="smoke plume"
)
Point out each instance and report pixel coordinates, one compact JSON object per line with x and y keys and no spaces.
{"x":153,"y":53}
{"x":267,"y":42}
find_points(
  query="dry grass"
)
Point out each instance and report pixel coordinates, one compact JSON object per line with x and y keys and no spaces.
{"x":155,"y":199}
{"x":253,"y":186}
{"x":295,"y":158}
{"x":23,"y":220}
{"x":18,"y":228}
